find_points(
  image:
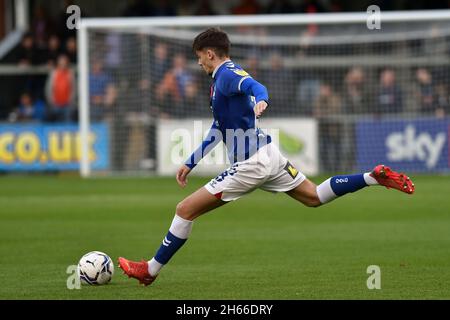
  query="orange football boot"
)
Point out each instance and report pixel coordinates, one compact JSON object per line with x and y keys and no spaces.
{"x":137,"y":270}
{"x":385,"y":176}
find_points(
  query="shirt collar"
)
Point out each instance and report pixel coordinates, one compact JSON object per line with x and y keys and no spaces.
{"x":218,"y":67}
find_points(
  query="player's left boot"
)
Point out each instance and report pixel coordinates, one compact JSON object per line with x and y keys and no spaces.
{"x":391,"y":179}
{"x":137,"y":270}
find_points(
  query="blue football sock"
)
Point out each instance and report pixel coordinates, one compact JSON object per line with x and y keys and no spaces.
{"x":337,"y":186}
{"x":178,"y":233}
{"x":168,"y":248}
{"x":345,"y":184}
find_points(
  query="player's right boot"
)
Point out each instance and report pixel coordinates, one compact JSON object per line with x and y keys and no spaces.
{"x":137,"y":270}
{"x":385,"y":176}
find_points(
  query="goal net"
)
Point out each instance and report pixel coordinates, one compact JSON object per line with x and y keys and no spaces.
{"x":343,"y":97}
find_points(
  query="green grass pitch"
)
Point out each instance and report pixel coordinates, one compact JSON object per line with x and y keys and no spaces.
{"x":263,"y":246}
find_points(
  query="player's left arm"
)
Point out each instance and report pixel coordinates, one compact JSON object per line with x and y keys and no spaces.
{"x":239,"y":81}
{"x":252,"y":87}
{"x":211,"y":140}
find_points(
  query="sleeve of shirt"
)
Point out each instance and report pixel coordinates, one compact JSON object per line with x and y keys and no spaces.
{"x":211,"y":140}
{"x":239,"y":81}
{"x":252,"y":87}
{"x":231,"y":80}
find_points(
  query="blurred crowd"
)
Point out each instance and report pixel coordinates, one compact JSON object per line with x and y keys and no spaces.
{"x":162,"y":79}
{"x":167,"y":83}
{"x":51,"y":45}
{"x":208,"y":7}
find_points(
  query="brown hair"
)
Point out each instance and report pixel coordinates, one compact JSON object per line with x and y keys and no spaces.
{"x":214,"y":39}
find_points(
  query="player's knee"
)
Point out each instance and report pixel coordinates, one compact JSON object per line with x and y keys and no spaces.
{"x":183,"y":210}
{"x":313,"y":201}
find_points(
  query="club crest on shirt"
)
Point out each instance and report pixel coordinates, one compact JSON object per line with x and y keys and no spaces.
{"x":240,"y":72}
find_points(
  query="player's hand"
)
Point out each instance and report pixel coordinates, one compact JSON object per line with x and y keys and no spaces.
{"x":182,"y":175}
{"x":259,"y":108}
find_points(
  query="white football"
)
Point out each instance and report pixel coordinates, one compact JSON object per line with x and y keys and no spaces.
{"x":95,"y":268}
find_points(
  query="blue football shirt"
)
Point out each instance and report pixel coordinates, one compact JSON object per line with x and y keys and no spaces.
{"x":233,"y":95}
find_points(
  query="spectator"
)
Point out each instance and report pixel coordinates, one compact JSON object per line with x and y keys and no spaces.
{"x":329,"y":104}
{"x":355,"y":94}
{"x":424,"y":92}
{"x":53,"y":51}
{"x":160,"y":64}
{"x":113,"y":54}
{"x":102,"y":91}
{"x":193,"y":104}
{"x":279,"y":81}
{"x":28,"y":109}
{"x":389,"y":97}
{"x":182,"y":75}
{"x":307,"y":92}
{"x":172,"y":89}
{"x":27,"y":53}
{"x":71,"y":50}
{"x":60,"y":91}
{"x":442,"y":101}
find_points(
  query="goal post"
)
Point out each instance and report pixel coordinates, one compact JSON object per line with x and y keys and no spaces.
{"x":83,"y":89}
{"x":363,"y":95}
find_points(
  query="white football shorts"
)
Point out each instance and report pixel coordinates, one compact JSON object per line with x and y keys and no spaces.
{"x":267,"y":169}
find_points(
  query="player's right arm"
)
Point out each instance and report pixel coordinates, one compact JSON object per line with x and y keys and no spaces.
{"x":211,"y":140}
{"x":182,"y":174}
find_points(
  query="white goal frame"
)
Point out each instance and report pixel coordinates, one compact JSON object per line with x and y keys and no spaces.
{"x":85,"y":25}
